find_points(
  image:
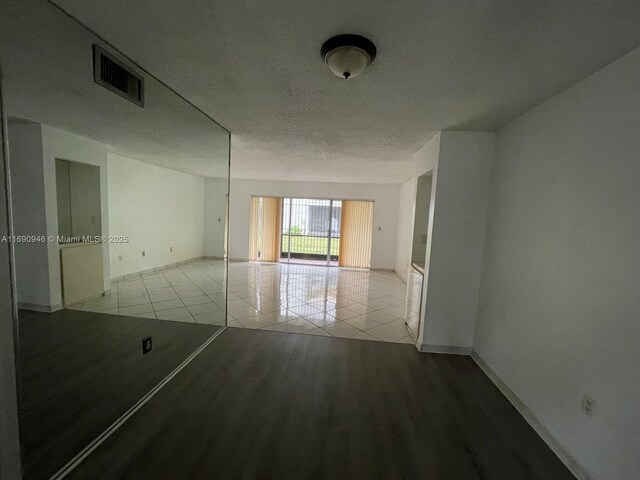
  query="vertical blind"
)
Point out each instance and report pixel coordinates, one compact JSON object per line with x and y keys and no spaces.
{"x":226,"y":227}
{"x":265,"y":229}
{"x":356,"y":230}
{"x":254,"y":229}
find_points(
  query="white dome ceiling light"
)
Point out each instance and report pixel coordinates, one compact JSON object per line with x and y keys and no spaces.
{"x":348,"y":55}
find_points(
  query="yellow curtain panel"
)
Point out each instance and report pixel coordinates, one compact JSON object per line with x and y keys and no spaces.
{"x":271,"y":229}
{"x":356,"y":230}
{"x":265,"y":229}
{"x":254,"y":229}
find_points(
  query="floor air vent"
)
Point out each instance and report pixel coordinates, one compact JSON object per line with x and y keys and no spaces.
{"x":111,"y":73}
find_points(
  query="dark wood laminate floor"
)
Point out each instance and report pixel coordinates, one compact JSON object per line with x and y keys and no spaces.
{"x":270,"y":405}
{"x":79,"y":371}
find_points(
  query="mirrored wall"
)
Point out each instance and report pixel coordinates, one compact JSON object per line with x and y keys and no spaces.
{"x":119,"y":194}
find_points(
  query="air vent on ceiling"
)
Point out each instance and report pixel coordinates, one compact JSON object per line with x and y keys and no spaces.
{"x":111,"y":73}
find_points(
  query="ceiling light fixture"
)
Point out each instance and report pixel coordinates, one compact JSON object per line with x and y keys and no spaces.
{"x":348,"y":55}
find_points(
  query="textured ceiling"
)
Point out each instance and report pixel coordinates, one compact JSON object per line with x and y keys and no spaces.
{"x":254,"y":66}
{"x":48,"y":78}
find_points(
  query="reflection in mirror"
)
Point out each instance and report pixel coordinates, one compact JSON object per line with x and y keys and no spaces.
{"x":421,"y":220}
{"x":119,"y":203}
{"x":78,"y":199}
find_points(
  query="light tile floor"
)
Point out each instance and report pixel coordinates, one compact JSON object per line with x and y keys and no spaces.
{"x":192,"y":292}
{"x":282,"y":297}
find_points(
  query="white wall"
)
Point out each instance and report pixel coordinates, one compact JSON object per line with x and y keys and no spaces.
{"x":560,"y":303}
{"x":460,"y":164}
{"x":33,"y":150}
{"x":156,"y":208}
{"x":456,"y":240}
{"x":215,"y":191}
{"x":57,"y":143}
{"x":404,"y":237}
{"x":29,"y":213}
{"x":426,"y":160}
{"x":385,"y":214}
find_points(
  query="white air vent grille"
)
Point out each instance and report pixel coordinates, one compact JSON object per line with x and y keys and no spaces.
{"x":112,"y":74}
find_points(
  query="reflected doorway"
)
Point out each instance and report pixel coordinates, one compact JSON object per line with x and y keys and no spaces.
{"x":310,"y":231}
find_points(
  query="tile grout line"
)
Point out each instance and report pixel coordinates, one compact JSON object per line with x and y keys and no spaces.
{"x":387,"y":297}
{"x":201,"y":291}
{"x":100,"y":439}
{"x":148,"y":296}
{"x":178,"y":295}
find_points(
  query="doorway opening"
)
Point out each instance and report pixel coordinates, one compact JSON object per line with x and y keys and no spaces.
{"x":310,"y":231}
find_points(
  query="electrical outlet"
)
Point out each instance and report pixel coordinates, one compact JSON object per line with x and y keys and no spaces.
{"x":589,"y":405}
{"x":143,"y":253}
{"x":146,"y":345}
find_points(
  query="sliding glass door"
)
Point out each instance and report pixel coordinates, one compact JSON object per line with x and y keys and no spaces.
{"x":310,"y":231}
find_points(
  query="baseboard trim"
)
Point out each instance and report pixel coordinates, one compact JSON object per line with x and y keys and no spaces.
{"x":86,"y":451}
{"x":92,"y":297}
{"x":39,"y":308}
{"x":445,"y":349}
{"x":133,"y":275}
{"x":561,"y":452}
{"x":373,"y":269}
{"x":399,"y":276}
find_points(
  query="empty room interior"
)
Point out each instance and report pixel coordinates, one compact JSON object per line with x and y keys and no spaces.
{"x":334,"y":240}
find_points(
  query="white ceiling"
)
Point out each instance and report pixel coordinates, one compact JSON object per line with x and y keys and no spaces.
{"x":48,"y":78}
{"x":254,"y":66}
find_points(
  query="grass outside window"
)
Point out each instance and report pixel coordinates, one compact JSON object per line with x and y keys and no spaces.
{"x":308,"y":245}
